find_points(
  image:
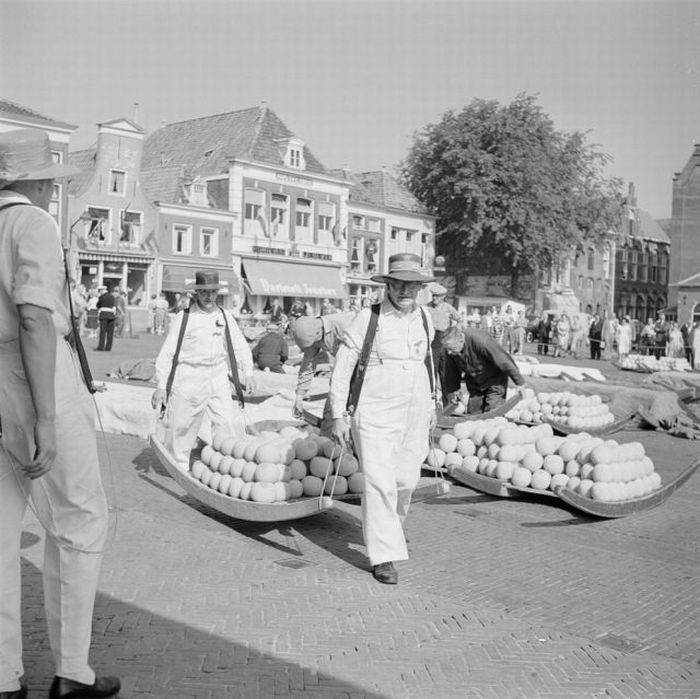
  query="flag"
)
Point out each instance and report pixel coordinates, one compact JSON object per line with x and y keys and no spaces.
{"x":260,"y":218}
{"x":151,"y":242}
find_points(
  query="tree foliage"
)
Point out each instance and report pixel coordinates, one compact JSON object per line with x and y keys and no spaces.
{"x":511,"y":193}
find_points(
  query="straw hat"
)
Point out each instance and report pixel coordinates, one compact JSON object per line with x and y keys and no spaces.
{"x":405,"y":267}
{"x":206,"y":279}
{"x":25,"y":154}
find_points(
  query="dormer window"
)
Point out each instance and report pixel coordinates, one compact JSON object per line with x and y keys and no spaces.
{"x":198,"y":193}
{"x":292,"y":152}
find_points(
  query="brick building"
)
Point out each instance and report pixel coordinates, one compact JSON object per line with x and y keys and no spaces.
{"x":684,"y":232}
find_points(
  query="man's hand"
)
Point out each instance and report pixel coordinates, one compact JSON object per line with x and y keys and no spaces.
{"x":298,"y":407}
{"x":158,"y":400}
{"x":341,"y":431}
{"x":45,"y":439}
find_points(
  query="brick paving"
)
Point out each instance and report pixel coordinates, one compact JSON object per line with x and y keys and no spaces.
{"x":504,"y":598}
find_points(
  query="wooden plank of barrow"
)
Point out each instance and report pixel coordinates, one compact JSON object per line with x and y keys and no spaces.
{"x":626,"y":507}
{"x":234,"y":507}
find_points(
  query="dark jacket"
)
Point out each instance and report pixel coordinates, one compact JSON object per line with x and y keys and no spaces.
{"x":106,"y":305}
{"x":483,"y":362}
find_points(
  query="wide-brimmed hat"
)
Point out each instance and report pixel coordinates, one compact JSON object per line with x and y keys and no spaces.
{"x":306,"y":330}
{"x":405,"y":267}
{"x":25,"y":154}
{"x":206,"y":279}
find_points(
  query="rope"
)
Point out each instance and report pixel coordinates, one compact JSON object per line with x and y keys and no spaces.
{"x":341,"y":453}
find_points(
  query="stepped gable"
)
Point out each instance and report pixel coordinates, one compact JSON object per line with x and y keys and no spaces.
{"x":10,"y":110}
{"x":86,"y":161}
{"x":205,"y":145}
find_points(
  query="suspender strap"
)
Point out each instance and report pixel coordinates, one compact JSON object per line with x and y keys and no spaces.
{"x":429,"y":356}
{"x":173,"y":366}
{"x":74,"y":338}
{"x":358,"y":374}
{"x":232,"y":361}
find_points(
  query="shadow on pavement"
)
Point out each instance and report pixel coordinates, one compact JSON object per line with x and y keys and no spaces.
{"x":164,"y":658}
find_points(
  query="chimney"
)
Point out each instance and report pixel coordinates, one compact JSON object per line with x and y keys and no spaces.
{"x":136,"y":112}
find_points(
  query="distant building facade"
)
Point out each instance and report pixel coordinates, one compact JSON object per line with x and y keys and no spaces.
{"x":641,"y":264}
{"x":684,"y":232}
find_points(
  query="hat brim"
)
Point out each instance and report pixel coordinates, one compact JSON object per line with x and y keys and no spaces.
{"x":407,"y":276}
{"x":53,"y":172}
{"x":206,"y":287}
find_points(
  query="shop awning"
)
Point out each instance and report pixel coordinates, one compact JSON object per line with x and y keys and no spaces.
{"x":268,"y":278}
{"x":177,"y":277}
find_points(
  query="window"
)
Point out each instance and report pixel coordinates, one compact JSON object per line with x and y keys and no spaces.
{"x":117,"y":182}
{"x":591,"y":259}
{"x":409,"y":236}
{"x":209,"y":242}
{"x":424,"y":238}
{"x":98,"y":228}
{"x":182,"y":239}
{"x":663,"y":260}
{"x":355,"y":255}
{"x":303,"y":213}
{"x":279,"y":212}
{"x":254,"y":201}
{"x":589,"y":283}
{"x":374,"y":225}
{"x":198,"y":193}
{"x":394,"y":233}
{"x":294,"y":157}
{"x":131,"y":222}
{"x":358,"y":222}
{"x":580,"y":281}
{"x":326,"y":216}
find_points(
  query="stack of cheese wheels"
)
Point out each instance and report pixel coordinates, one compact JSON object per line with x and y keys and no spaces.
{"x":577,"y":411}
{"x":276,"y":466}
{"x":533,"y":457}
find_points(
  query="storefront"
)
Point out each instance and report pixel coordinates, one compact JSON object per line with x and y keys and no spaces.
{"x":291,"y":281}
{"x":128,"y":272}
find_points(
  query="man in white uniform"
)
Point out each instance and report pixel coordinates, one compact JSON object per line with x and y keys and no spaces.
{"x":396,"y":407}
{"x":201,"y":385}
{"x":48,"y":450}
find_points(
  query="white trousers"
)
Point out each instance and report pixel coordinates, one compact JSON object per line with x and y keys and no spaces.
{"x":70,"y":504}
{"x":390,"y":431}
{"x":199,"y":392}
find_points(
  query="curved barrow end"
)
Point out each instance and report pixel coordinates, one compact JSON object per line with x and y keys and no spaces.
{"x":626,"y":507}
{"x":233,"y":507}
{"x":447,"y":420}
{"x":565,"y":430}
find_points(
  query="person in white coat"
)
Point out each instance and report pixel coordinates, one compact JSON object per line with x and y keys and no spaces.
{"x":48,"y":449}
{"x":391,"y":422}
{"x":200,"y":385}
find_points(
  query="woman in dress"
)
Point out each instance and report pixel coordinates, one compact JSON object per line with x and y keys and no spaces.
{"x":676,"y":346}
{"x":563,"y":335}
{"x":624,"y":338}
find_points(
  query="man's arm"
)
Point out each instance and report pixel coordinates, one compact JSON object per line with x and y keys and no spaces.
{"x":37,"y":339}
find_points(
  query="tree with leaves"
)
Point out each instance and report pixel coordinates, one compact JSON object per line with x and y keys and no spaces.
{"x":511,"y":193}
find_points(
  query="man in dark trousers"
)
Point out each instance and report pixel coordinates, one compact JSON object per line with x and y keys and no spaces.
{"x":595,"y":334}
{"x":106,"y":313}
{"x":484,"y":364}
{"x":271,"y":351}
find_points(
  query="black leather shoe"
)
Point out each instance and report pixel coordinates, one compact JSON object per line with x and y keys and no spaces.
{"x":20,"y":693}
{"x":386,"y":573}
{"x":62,"y":688}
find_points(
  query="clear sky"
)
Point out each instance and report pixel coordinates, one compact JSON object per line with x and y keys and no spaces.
{"x":356,"y":78}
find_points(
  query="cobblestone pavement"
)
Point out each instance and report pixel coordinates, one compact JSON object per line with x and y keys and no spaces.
{"x":512,"y":598}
